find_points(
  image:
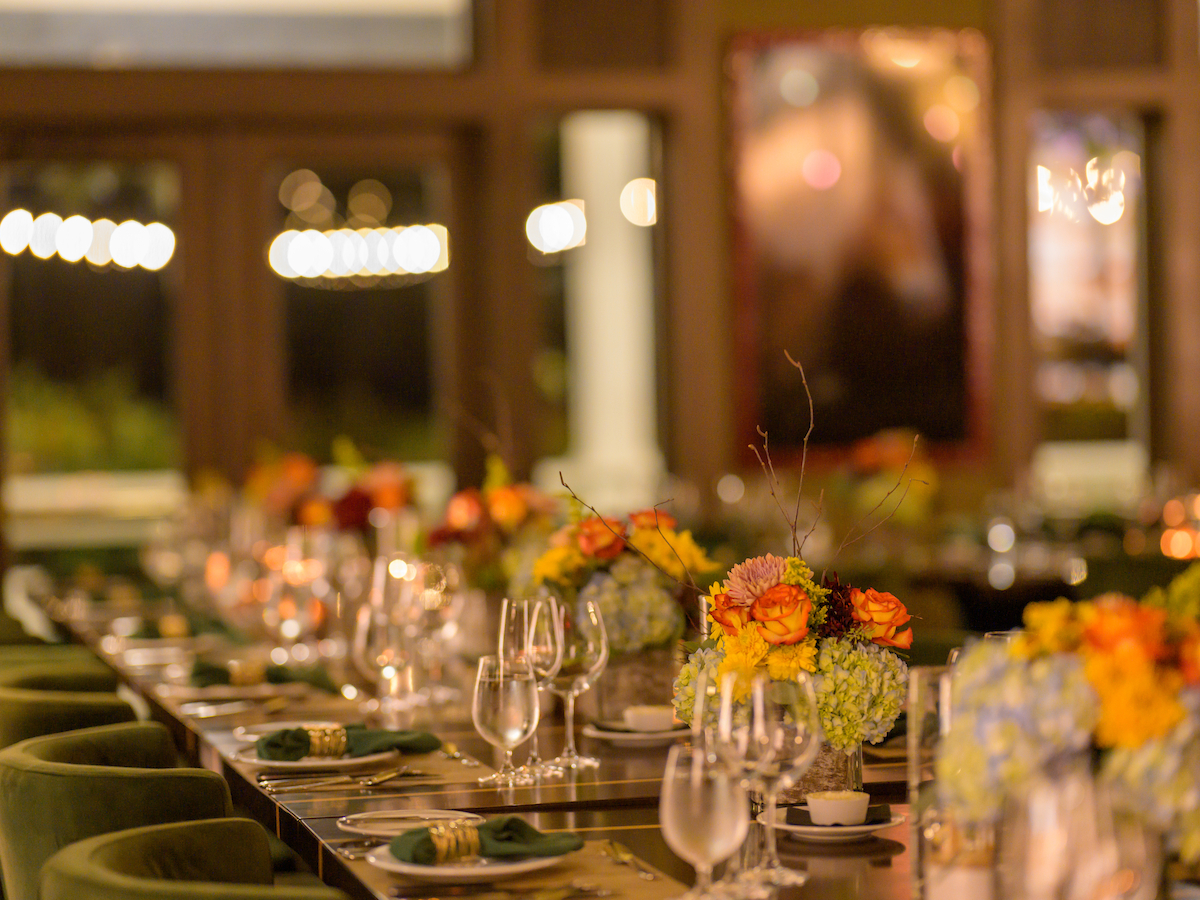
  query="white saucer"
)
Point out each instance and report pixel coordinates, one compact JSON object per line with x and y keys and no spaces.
{"x":830,"y":833}
{"x":626,"y":738}
{"x":472,"y":871}
{"x":391,"y":822}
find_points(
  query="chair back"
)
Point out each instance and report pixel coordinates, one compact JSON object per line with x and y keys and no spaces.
{"x":216,"y":859}
{"x":59,"y":695}
{"x":60,"y":788}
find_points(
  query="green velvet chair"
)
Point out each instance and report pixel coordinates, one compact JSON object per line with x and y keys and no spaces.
{"x":60,"y":788}
{"x":52,"y":696}
{"x":216,"y":859}
{"x":31,"y":654}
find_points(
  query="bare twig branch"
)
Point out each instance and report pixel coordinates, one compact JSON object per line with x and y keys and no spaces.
{"x":486,"y":437}
{"x":850,"y":537}
{"x":820,"y":507}
{"x":804,"y":450}
{"x":504,"y":419}
{"x":690,"y":584}
{"x":764,"y":460}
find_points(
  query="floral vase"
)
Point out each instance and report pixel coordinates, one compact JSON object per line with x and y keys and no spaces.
{"x":832,"y":770}
{"x":631,"y":679}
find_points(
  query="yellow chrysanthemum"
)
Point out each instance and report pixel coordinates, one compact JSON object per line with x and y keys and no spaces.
{"x":673,"y":552}
{"x":1138,"y":702}
{"x":1049,"y":628}
{"x":784,"y":663}
{"x":558,"y":564}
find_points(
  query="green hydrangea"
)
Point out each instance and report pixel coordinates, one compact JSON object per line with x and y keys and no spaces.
{"x":860,"y":691}
{"x":704,"y":659}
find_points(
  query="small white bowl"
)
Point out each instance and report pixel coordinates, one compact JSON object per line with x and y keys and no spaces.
{"x":649,"y":718}
{"x":838,"y":807}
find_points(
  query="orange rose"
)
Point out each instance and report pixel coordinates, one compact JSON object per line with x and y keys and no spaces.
{"x":1117,"y":622}
{"x":507,"y":506}
{"x":1189,"y":657}
{"x":880,"y":614}
{"x":782,"y":614}
{"x":652,"y":518}
{"x":730,"y":616}
{"x":464,"y":512}
{"x":601,"y":538}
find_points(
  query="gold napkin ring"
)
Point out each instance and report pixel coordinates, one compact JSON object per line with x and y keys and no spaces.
{"x":453,"y":840}
{"x":244,"y":672}
{"x":326,"y":740}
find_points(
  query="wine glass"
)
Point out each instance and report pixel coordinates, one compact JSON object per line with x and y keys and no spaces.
{"x":513,"y":640}
{"x":545,"y":649}
{"x":384,"y":651}
{"x":505,"y":711}
{"x":584,"y":656}
{"x":772,"y":735}
{"x":704,"y":813}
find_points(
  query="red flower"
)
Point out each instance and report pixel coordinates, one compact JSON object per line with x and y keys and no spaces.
{"x":601,"y":538}
{"x":732,"y":617}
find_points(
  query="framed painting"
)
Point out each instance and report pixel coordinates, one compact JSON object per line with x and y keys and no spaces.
{"x":861,"y":185}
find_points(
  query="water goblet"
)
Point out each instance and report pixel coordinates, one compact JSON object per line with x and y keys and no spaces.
{"x":769,"y":731}
{"x":584,"y":656}
{"x":505,"y":711}
{"x":384,"y":650}
{"x":545,"y":648}
{"x":704,"y":813}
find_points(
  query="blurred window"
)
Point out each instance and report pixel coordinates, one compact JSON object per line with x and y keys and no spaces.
{"x":306,"y":34}
{"x":90,"y":246}
{"x":360,"y":253}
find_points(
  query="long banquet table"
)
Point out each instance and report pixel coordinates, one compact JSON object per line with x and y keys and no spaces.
{"x":619,"y":800}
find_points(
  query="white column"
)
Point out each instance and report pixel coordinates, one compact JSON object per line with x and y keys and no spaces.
{"x":614,"y":461}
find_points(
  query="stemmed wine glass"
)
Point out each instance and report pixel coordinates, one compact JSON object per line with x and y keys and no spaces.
{"x":772,"y":736}
{"x":545,"y":648}
{"x":505,"y":710}
{"x":384,"y":649}
{"x":584,"y":656}
{"x":704,"y":812}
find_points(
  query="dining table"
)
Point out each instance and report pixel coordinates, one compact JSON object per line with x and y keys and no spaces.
{"x":336,"y":829}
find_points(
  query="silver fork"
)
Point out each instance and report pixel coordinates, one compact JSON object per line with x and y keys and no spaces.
{"x":284,"y":787}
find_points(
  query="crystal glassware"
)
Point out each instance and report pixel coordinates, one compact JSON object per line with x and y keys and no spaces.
{"x":584,"y":656}
{"x":505,"y":711}
{"x":704,"y":813}
{"x":770,"y":732}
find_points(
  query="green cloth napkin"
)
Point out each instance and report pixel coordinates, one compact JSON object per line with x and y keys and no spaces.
{"x":504,"y":837}
{"x":291,"y":744}
{"x":209,"y":674}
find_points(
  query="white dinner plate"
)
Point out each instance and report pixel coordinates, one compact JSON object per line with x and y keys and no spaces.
{"x":262,"y":691}
{"x":251,"y":733}
{"x":466,"y":872}
{"x":391,"y":822}
{"x":625,"y":738}
{"x":830,"y":833}
{"x":250,"y":755}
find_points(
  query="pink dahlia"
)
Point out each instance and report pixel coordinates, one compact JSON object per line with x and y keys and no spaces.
{"x":749,"y":580}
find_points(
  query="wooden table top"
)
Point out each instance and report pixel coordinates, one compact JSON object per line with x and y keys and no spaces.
{"x":619,"y":799}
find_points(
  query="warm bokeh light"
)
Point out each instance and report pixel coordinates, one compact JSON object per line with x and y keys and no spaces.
{"x":1001,"y":537}
{"x":1178,"y":543}
{"x":16,"y":228}
{"x":639,"y":203}
{"x":45,"y":230}
{"x":74,"y":238}
{"x":731,"y":488}
{"x":100,"y":242}
{"x":1174,"y":514}
{"x":362,"y":252}
{"x":554,"y":227}
{"x":799,"y":87}
{"x":821,"y":170}
{"x":942,"y":123}
{"x":962,"y":93}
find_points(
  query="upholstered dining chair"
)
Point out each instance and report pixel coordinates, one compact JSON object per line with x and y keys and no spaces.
{"x":63,"y":787}
{"x":215,"y":859}
{"x":31,"y":654}
{"x":54,"y":695}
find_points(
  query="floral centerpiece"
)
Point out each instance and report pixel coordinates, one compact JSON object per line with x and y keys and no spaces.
{"x":636,"y":568}
{"x":494,"y":532}
{"x":770,"y":616}
{"x":1112,"y":680}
